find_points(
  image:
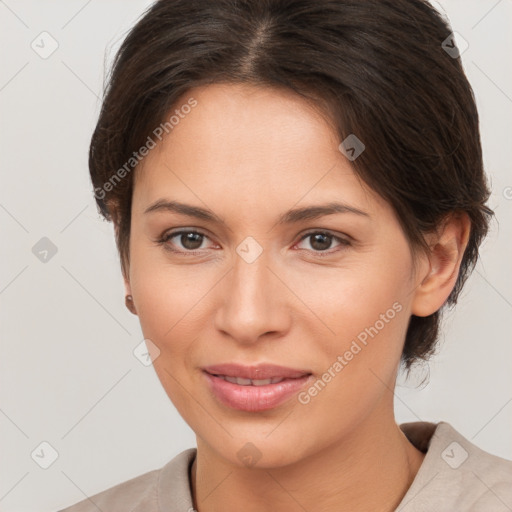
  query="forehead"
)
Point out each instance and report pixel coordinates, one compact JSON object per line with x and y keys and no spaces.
{"x":229,"y":120}
{"x":240,"y":142}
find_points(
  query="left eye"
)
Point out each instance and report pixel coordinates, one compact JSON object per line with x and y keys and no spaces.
{"x":322,"y":241}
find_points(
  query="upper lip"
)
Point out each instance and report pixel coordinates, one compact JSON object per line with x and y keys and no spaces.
{"x":256,"y":372}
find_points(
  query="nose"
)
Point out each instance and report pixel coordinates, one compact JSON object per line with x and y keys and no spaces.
{"x":253,"y":302}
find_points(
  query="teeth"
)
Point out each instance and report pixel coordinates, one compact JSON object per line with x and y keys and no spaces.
{"x":261,"y":382}
{"x":237,"y":380}
{"x":248,"y":382}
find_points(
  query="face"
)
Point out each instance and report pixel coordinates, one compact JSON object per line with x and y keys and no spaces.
{"x":325,"y":293}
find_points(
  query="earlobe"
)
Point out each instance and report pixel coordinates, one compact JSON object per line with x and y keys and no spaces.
{"x":129,"y":304}
{"x":128,"y":300}
{"x":446,"y":251}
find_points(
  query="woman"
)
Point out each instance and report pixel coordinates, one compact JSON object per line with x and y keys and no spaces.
{"x":297,"y":191}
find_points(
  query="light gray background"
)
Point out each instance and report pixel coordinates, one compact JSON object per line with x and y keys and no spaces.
{"x":68,"y":374}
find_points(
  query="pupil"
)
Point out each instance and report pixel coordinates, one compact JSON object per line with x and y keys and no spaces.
{"x":191,"y":240}
{"x":321,"y":237}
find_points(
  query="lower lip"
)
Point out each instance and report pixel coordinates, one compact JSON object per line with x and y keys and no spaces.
{"x":255,"y":398}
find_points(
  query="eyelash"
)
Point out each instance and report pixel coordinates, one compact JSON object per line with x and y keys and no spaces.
{"x":164,"y":239}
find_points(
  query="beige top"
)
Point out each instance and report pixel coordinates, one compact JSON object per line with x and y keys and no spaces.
{"x":455,"y":476}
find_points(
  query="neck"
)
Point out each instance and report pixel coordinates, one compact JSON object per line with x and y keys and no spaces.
{"x":371,"y":469}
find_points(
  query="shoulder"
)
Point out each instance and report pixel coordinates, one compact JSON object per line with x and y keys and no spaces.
{"x":144,"y":492}
{"x":459,"y":453}
{"x":457,"y":475}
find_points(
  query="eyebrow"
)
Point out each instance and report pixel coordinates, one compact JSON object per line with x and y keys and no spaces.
{"x":292,"y":216}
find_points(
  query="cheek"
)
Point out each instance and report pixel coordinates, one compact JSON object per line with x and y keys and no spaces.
{"x":169,"y":299}
{"x":359,"y":364}
{"x":342,"y":303}
{"x":368,"y":342}
{"x":171,"y":312}
{"x":367,"y":310}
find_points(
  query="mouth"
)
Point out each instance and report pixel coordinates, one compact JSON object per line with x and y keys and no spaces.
{"x":255,"y":373}
{"x":249,"y":382}
{"x":254,"y":388}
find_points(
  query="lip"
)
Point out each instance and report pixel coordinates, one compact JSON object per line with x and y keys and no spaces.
{"x":252,"y":398}
{"x":260,"y":371}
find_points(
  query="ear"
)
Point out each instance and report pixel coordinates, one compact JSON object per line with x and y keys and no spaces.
{"x":126,"y":278}
{"x":447,"y":248}
{"x":129,"y":297}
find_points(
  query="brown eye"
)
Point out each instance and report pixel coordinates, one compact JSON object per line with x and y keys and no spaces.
{"x":321,"y":241}
{"x":186,"y":240}
{"x":191,"y":240}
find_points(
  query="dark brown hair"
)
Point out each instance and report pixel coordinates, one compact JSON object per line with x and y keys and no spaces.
{"x":379,"y":69}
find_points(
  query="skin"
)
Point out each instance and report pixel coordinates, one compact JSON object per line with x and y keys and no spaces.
{"x":249,"y":155}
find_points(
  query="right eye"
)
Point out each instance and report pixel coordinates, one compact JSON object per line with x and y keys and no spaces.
{"x":190,"y":240}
